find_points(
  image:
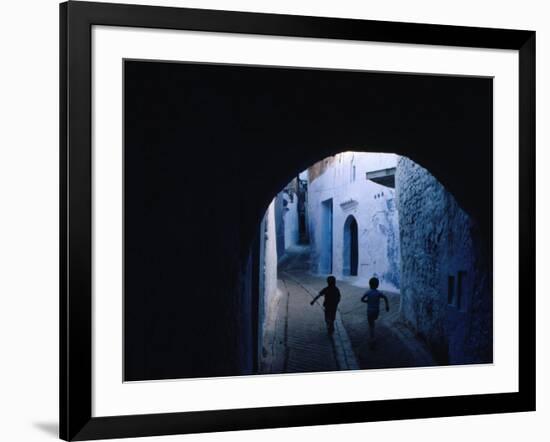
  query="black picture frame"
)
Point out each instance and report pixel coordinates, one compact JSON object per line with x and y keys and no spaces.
{"x":76,"y":21}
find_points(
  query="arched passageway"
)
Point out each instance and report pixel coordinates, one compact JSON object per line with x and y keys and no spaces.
{"x":202,"y":164}
{"x":351,"y":247}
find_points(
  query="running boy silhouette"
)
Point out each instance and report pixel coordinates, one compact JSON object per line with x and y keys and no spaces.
{"x":332,"y":298}
{"x":372,"y":298}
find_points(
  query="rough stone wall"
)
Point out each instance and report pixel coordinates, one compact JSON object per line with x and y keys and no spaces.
{"x":343,"y":180}
{"x":440,"y":245}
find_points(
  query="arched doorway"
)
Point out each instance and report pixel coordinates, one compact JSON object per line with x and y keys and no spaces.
{"x":350,"y":247}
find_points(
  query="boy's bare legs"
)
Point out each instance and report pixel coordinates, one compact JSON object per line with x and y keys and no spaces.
{"x":372,"y":335}
{"x":330,"y":316}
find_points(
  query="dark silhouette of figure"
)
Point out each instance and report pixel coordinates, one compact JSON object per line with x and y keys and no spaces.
{"x":332,"y":298}
{"x":372,"y":298}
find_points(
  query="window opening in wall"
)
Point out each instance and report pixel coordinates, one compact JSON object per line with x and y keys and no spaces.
{"x":459,"y":290}
{"x":451,"y":290}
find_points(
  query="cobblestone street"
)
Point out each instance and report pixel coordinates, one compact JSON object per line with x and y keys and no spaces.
{"x":296,"y":339}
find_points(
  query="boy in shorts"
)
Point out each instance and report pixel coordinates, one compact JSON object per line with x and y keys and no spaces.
{"x":332,"y":298}
{"x":372,"y":298}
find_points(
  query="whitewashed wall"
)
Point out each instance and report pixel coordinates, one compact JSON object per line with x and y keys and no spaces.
{"x":290,"y":221}
{"x":270,"y":256}
{"x":373,"y":207}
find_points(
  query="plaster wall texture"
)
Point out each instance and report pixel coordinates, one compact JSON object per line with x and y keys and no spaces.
{"x":342,"y":178}
{"x":269,"y":252}
{"x":267,"y":275}
{"x":446,"y":292}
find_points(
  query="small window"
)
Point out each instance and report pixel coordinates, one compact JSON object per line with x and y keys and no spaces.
{"x":451,"y":290}
{"x":459,"y":290}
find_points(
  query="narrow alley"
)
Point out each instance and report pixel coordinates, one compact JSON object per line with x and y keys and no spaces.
{"x":296,"y":338}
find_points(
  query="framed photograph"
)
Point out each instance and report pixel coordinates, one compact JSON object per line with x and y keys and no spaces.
{"x":273,"y":220}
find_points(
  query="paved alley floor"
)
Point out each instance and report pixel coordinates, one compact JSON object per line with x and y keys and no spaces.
{"x":297,"y":339}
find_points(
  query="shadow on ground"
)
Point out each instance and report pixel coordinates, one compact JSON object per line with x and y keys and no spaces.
{"x":49,"y":428}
